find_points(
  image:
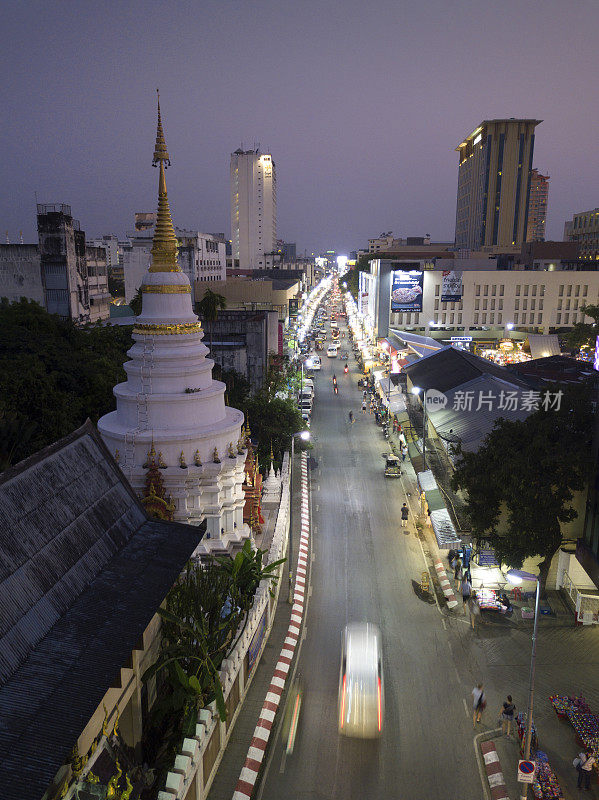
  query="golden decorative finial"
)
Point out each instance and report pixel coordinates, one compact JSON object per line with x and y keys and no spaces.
{"x":230,"y":450}
{"x":112,"y":792}
{"x":164,"y":244}
{"x":196,"y":459}
{"x":215,"y":457}
{"x":272,"y":458}
{"x":182,"y":462}
{"x":115,"y":729}
{"x":105,"y":723}
{"x":77,"y":762}
{"x":161,"y":463}
{"x":117,"y":455}
{"x":240,"y":445}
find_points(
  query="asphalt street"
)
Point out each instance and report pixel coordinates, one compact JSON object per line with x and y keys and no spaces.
{"x":364,"y":568}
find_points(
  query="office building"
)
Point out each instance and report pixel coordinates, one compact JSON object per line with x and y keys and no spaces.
{"x":584,"y":229}
{"x":253,"y":208}
{"x":537,"y":207}
{"x":495,"y":165}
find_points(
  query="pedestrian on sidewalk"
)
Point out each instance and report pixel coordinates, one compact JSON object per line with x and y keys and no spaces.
{"x":405,"y":513}
{"x":586,"y":759}
{"x":404,"y":452}
{"x":466,"y":591}
{"x":457,"y":573}
{"x":474,"y":609}
{"x":364,"y":407}
{"x":507,"y":715}
{"x":479,"y":703}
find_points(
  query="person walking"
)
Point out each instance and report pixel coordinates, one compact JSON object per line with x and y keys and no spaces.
{"x":586,"y":760}
{"x":404,"y":452}
{"x":466,"y":590}
{"x":479,"y":703}
{"x":350,"y":417}
{"x":364,"y":407}
{"x":507,"y":715}
{"x":405,"y":513}
{"x":457,"y":573}
{"x":474,"y":609}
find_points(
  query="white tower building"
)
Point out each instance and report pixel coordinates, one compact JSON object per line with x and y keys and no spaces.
{"x":253,"y":207}
{"x":170,"y":404}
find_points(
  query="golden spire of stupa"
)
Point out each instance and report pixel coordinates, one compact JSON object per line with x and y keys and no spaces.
{"x":164,"y":245}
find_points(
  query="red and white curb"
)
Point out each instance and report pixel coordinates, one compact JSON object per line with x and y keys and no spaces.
{"x":445,"y":584}
{"x":493,"y":770}
{"x":255,"y":756}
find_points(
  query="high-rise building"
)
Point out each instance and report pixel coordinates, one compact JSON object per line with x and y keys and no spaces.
{"x":253,"y":207}
{"x":537,"y":207}
{"x":584,"y":229}
{"x":495,"y":165}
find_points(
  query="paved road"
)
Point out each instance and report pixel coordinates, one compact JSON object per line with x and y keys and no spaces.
{"x":364,"y":568}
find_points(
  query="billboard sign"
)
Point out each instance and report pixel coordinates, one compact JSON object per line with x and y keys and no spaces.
{"x":451,"y":289}
{"x":406,"y":290}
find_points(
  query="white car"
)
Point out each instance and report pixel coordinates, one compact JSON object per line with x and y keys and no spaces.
{"x":313,"y":363}
{"x":331,"y":351}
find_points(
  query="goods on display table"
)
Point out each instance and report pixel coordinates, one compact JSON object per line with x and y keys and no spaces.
{"x":584,"y":722}
{"x":490,"y":600}
{"x":545,"y":785}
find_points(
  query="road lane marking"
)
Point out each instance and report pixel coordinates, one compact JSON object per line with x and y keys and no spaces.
{"x":443,"y":623}
{"x":465,"y":707}
{"x":317,"y":506}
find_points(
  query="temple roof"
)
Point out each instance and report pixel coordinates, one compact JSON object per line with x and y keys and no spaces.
{"x":82,"y":572}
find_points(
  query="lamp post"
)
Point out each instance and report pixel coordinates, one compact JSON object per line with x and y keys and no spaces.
{"x":517,"y":576}
{"x":304,"y":435}
{"x":417,"y":390}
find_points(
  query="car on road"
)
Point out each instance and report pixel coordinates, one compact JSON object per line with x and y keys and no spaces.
{"x":361,"y":689}
{"x":331,"y":351}
{"x":313,"y":362}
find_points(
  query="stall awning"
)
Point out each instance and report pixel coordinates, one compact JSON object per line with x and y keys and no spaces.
{"x":434,"y":500}
{"x":426,"y":481}
{"x":444,"y":529}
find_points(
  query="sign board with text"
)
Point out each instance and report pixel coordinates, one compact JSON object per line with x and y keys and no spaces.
{"x":526,"y":771}
{"x":406,"y":290}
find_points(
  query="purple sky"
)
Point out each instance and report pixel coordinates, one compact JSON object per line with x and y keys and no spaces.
{"x":360,"y":104}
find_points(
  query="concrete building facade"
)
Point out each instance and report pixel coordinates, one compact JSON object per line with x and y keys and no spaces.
{"x":584,"y":229}
{"x":253,"y":207}
{"x":492,"y":302}
{"x":21,"y":272}
{"x":495,"y":165}
{"x":537,"y":207}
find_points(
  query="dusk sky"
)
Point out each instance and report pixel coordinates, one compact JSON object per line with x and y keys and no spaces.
{"x":360,"y":103}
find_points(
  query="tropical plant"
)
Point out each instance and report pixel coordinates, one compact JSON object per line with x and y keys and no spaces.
{"x":136,"y":303}
{"x":584,"y":334}
{"x":209,"y":306}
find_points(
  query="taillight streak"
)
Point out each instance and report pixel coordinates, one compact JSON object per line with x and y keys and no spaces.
{"x":380,"y":709}
{"x":343,"y":702}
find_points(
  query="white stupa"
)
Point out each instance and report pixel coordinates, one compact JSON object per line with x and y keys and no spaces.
{"x":170,"y":410}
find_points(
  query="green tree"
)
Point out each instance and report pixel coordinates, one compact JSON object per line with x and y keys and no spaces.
{"x":584,"y":334}
{"x":352,"y":276}
{"x":136,"y":304}
{"x":520,"y":483}
{"x":209,"y":306}
{"x":273,"y":421}
{"x":238,"y":386}
{"x":54,"y":375}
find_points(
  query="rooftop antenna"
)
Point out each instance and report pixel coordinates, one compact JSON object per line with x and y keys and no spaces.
{"x":21,"y":237}
{"x":7,"y":239}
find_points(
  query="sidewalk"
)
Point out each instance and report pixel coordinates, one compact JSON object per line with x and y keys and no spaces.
{"x":236,"y":751}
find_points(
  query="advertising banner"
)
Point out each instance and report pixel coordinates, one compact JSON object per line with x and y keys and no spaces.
{"x":406,"y":290}
{"x":451,"y":290}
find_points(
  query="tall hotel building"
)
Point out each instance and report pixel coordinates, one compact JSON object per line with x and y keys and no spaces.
{"x":494,"y":184}
{"x":253,"y":208}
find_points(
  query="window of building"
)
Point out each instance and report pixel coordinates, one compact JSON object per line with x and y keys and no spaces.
{"x":534,"y":290}
{"x":486,"y":289}
{"x":477,"y":290}
{"x":451,"y":319}
{"x":526,"y":291}
{"x":436,"y":319}
{"x":525,"y":304}
{"x":459,"y":319}
{"x":532,"y":304}
{"x":576,"y":302}
{"x":569,"y":292}
{"x":444,"y":306}
{"x":477,"y":304}
{"x":493,"y":290}
{"x":559,"y":319}
{"x":516,"y":318}
{"x":443,"y":318}
{"x":484,"y":319}
{"x":567,"y":305}
{"x":461,"y":305}
{"x":492,"y":305}
{"x":476,"y":319}
{"x":566,"y":318}
{"x":517,"y":290}
{"x":542,"y":290}
{"x":437,"y":288}
{"x":492,"y":318}
{"x":499,"y":318}
{"x":585,"y":290}
{"x":500,"y":306}
{"x":577,"y":290}
{"x":485,"y":302}
{"x":561,"y":290}
{"x":501,"y":287}
{"x":516,"y":304}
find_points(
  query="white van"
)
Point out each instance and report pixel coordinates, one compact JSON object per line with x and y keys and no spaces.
{"x":313,"y":363}
{"x":361,"y":690}
{"x":331,"y":351}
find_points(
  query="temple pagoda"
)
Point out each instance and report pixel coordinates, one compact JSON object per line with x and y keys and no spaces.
{"x":170,"y":402}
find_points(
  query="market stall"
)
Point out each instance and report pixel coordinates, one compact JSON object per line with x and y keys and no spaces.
{"x":545,"y":785}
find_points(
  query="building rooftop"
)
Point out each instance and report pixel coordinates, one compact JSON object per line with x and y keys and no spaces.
{"x":82,"y":572}
{"x":555,"y":369}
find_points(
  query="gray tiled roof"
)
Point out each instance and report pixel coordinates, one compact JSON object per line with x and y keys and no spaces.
{"x":82,"y":572}
{"x":472,"y":426}
{"x":449,"y":368}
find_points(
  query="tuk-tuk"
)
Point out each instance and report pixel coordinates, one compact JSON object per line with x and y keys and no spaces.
{"x":392,"y":466}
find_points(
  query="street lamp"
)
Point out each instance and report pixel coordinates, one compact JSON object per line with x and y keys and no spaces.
{"x":304,"y":435}
{"x":417,"y":390}
{"x":517,"y":576}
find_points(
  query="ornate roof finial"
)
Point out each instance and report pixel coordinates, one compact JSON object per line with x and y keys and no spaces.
{"x":164,"y":244}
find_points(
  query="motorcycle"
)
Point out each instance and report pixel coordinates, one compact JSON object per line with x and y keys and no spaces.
{"x":346,"y":369}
